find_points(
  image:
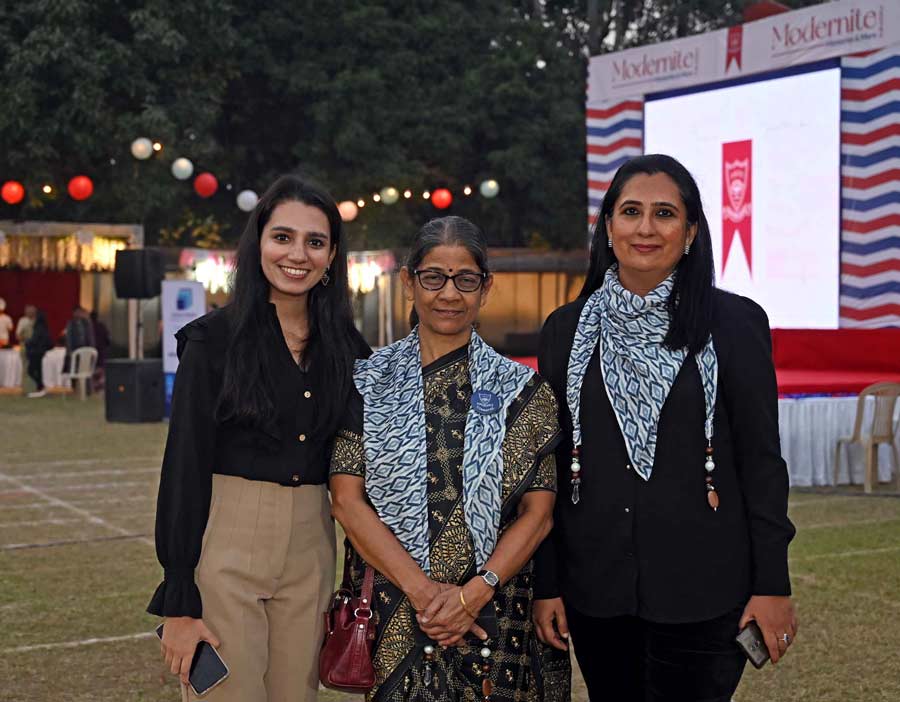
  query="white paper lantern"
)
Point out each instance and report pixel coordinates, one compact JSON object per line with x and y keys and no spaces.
{"x":390,"y":195}
{"x":348,"y":210}
{"x":142,"y":148}
{"x":182,"y":168}
{"x":246,"y":200}
{"x":489,"y":188}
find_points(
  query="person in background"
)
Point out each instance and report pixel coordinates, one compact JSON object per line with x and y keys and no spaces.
{"x":24,"y":329}
{"x":101,"y":343}
{"x":26,"y":324}
{"x":6,"y":325}
{"x":79,"y":333}
{"x":671,"y":532}
{"x":38,"y":344}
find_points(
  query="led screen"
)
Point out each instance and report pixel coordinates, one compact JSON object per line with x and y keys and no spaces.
{"x":766,"y":155}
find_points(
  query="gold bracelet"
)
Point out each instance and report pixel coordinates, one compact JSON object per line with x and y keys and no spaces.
{"x":465,"y":606}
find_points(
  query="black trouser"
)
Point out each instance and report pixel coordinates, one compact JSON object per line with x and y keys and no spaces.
{"x":36,"y":371}
{"x":627,"y":659}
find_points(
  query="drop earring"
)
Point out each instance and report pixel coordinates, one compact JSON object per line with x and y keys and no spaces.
{"x":609,"y":242}
{"x":687,"y":249}
{"x":326,"y":278}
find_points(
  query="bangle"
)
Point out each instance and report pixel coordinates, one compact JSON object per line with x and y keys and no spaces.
{"x":464,"y":605}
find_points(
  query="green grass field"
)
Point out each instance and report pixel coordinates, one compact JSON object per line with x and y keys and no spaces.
{"x":77,"y":568}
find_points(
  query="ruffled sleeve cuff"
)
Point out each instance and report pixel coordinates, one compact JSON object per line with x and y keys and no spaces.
{"x":177,"y":595}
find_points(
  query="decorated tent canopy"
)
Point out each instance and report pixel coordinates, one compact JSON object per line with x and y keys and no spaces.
{"x":64,"y":246}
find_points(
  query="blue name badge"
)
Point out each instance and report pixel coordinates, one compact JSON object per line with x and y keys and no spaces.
{"x":485,"y":402}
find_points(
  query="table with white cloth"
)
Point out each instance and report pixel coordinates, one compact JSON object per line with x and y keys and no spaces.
{"x":52,"y":368}
{"x":810,"y":428}
{"x":10,"y":368}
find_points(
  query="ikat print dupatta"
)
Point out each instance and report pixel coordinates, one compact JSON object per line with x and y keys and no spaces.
{"x":638,"y":371}
{"x":394,"y":437}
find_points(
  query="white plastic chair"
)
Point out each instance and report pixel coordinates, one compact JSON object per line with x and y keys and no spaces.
{"x":881,"y":431}
{"x":81,"y":368}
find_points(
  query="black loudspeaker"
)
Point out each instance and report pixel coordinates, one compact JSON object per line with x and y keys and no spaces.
{"x":135,"y":391}
{"x":138,"y":273}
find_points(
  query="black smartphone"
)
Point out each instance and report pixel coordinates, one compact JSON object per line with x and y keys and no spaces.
{"x":207,"y":668}
{"x":753,"y":644}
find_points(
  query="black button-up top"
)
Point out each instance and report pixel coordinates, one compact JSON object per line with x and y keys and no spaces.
{"x":284,"y":451}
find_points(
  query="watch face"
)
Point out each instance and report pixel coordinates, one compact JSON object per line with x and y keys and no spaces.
{"x":490,"y":578}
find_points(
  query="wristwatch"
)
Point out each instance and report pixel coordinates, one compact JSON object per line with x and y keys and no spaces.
{"x":490,"y":577}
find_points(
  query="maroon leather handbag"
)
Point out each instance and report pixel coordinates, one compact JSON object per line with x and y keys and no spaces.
{"x":345,"y":661}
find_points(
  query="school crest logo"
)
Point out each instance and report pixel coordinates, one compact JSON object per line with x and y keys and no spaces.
{"x":737,"y":210}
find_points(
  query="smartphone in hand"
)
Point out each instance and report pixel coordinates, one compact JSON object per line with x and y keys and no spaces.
{"x":753,"y":644}
{"x":207,"y":668}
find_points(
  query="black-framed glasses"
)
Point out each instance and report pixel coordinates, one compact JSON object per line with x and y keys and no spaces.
{"x":466,"y":282}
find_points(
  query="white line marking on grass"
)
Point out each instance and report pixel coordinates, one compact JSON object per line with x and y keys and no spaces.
{"x":826,"y":525}
{"x":71,"y":542}
{"x":104,"y":501}
{"x":82,"y":461}
{"x":93,"y":518}
{"x":41,"y":522}
{"x":69,"y":488}
{"x":87,"y":473}
{"x":77,"y":644}
{"x":846,"y":554}
{"x":823,"y":500}
{"x":9,"y":525}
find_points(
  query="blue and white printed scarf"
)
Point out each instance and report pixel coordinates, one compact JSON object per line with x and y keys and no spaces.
{"x":390,"y":382}
{"x":638,"y":370}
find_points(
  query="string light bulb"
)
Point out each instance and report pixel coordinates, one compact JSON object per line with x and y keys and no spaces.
{"x":360,"y":203}
{"x":376,"y":197}
{"x":47,"y":189}
{"x":467,"y":190}
{"x":426,"y":195}
{"x":407,"y":194}
{"x":157,"y":146}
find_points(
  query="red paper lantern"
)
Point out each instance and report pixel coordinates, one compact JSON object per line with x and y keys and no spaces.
{"x":81,"y":188}
{"x":441,"y":198}
{"x":205,"y":185}
{"x":13,"y":192}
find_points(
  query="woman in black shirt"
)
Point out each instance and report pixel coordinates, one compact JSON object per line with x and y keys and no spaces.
{"x":671,"y":528}
{"x":243,"y":526}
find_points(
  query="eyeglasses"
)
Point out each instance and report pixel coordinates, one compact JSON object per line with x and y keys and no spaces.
{"x":464,"y":282}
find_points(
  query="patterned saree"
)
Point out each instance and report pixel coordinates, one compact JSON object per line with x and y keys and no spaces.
{"x":523,"y":668}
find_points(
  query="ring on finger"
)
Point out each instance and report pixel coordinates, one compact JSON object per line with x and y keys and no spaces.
{"x":785,"y":639}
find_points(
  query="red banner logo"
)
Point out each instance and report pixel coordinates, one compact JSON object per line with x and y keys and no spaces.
{"x":737,"y":177}
{"x":734,"y":46}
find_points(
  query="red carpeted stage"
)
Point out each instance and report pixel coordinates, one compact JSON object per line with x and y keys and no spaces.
{"x":834,"y":361}
{"x":827,"y":361}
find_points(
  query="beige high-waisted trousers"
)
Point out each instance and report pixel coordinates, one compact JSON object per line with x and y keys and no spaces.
{"x":265,"y":574}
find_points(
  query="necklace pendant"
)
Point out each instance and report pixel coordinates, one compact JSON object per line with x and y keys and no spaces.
{"x":576,"y":475}
{"x":712,"y":497}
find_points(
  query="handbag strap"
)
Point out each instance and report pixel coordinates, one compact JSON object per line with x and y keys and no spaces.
{"x":365,"y":596}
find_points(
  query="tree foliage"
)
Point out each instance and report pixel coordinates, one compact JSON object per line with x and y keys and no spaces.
{"x":357,"y":93}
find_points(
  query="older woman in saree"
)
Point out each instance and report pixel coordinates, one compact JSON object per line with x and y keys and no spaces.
{"x":443,"y":478}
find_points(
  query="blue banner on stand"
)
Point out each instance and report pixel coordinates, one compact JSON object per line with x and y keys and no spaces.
{"x":170,"y":384}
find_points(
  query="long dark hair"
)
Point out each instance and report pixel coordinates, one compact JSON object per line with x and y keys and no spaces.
{"x":690,"y":303}
{"x":447,"y":231}
{"x":249,"y":386}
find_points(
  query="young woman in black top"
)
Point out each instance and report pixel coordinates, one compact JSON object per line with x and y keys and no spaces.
{"x":243,"y":526}
{"x":671,"y":528}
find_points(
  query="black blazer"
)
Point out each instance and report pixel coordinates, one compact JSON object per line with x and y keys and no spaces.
{"x":655,"y":549}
